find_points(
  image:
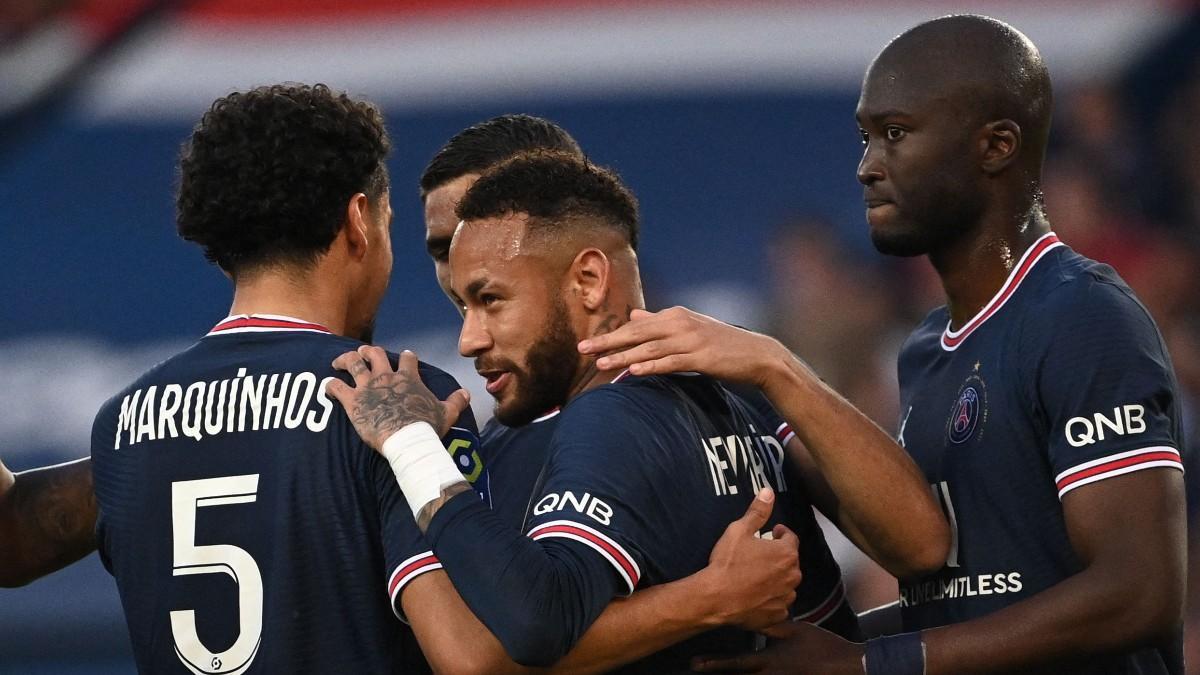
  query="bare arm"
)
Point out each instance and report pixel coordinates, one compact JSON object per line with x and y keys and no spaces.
{"x":47,"y":520}
{"x":1129,"y":533}
{"x":859,"y":477}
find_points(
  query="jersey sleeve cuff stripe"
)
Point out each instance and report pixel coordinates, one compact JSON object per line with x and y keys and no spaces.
{"x":1118,"y":465}
{"x":407,"y":571}
{"x":602,"y":544}
{"x":827,"y":607}
{"x":784,"y":433}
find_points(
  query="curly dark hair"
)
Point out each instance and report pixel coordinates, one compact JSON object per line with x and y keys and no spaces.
{"x":267,"y":173}
{"x":556,"y":190}
{"x":482,"y":145}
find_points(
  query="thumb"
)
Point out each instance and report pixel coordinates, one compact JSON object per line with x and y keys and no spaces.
{"x":455,"y":404}
{"x":759,"y":510}
{"x":640,"y":314}
{"x":780,"y":630}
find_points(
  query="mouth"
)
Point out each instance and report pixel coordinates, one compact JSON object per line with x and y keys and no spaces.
{"x":875,"y":203}
{"x":496,"y":380}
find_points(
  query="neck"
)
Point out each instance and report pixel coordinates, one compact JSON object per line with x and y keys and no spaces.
{"x":589,"y":376}
{"x":975,"y":267}
{"x":295,"y":296}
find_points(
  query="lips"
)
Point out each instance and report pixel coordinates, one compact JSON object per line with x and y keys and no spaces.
{"x":874,"y":202}
{"x":496,"y":380}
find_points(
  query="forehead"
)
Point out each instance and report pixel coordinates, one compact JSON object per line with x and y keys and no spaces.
{"x":493,"y":248}
{"x":440,"y":203}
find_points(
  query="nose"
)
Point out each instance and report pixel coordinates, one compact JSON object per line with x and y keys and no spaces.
{"x":870,"y":167}
{"x":474,"y":338}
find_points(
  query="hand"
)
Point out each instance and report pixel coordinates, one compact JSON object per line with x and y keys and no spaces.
{"x":680,"y":340}
{"x":384,"y":401}
{"x":6,"y":479}
{"x":796,"y":648}
{"x":754,"y":579}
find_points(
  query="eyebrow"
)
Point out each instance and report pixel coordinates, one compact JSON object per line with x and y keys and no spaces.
{"x":884,"y":114}
{"x":474,"y":287}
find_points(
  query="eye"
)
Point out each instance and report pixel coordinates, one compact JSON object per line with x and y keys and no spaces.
{"x":893,"y":132}
{"x":862,"y":136}
{"x":488,"y":299}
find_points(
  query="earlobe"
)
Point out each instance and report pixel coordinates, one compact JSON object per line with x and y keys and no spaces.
{"x":1002,"y":145}
{"x":591,"y":269}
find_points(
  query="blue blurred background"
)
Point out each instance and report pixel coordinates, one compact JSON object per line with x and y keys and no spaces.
{"x":732,"y":121}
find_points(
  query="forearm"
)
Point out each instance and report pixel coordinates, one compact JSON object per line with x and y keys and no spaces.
{"x":649,"y":621}
{"x":453,"y":639}
{"x":1087,"y":614}
{"x":883,"y":501}
{"x":47,"y":521}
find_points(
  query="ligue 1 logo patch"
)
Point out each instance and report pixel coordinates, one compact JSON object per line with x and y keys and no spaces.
{"x":969,"y":411}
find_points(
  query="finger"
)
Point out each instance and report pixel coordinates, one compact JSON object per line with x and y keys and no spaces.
{"x":455,"y":404}
{"x":352,"y":362}
{"x":779,"y":631}
{"x":640,"y":315}
{"x":340,"y":391}
{"x":675,"y":363}
{"x":647,"y":351}
{"x":782,"y":533}
{"x":759,"y":510}
{"x":376,"y":358}
{"x":629,"y":335}
{"x":747,"y":663}
{"x":408,"y":363}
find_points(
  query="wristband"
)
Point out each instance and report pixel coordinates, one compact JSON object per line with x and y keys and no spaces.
{"x":902,"y":654}
{"x":421,"y":464}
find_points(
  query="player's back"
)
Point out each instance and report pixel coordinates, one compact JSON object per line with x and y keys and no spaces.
{"x":247,"y":526}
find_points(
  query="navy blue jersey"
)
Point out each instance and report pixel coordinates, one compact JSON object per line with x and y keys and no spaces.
{"x":1061,"y":381}
{"x":648,"y":472}
{"x":248,"y":527}
{"x":514,"y":457}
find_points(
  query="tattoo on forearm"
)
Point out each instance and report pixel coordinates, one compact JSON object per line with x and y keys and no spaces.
{"x":391,"y":402}
{"x":430,"y":510}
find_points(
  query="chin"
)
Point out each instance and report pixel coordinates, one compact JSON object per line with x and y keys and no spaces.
{"x":898,"y":243}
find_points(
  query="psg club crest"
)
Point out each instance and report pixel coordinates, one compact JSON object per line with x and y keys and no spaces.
{"x":969,"y":411}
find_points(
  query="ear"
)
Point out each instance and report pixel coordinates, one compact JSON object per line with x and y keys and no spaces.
{"x":1001,"y":145}
{"x":589,"y":275}
{"x":358,"y":214}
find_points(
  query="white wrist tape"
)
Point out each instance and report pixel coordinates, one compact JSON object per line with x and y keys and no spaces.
{"x":421,"y":464}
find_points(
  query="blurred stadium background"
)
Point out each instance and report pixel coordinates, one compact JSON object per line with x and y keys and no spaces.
{"x":732,"y":121}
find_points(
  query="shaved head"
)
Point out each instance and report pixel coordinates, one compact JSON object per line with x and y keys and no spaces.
{"x":986,"y":69}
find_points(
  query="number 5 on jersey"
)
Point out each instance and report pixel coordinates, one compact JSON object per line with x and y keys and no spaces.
{"x":186,"y":498}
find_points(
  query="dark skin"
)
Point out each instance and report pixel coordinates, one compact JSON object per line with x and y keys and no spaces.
{"x":931,"y":158}
{"x":47,"y":520}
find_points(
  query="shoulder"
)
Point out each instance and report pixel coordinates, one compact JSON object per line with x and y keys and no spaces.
{"x":927,"y":334}
{"x":1085,"y":299}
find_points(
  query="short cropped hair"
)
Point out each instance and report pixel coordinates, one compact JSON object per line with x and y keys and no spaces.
{"x":557,"y":191}
{"x":268,"y":173}
{"x":480,"y":146}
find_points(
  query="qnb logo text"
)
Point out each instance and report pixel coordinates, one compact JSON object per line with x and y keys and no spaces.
{"x":1125,"y":420}
{"x":586,"y":504}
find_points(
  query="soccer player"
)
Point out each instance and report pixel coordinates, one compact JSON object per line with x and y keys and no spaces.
{"x":247,"y":528}
{"x":47,"y":520}
{"x":641,"y":475}
{"x":1040,"y":402}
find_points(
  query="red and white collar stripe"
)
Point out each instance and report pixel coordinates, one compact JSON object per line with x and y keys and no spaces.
{"x":951,"y":339}
{"x":264,"y":323}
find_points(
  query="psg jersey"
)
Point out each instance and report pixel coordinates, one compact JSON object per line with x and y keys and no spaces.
{"x":249,"y":528}
{"x":1060,"y":382}
{"x":648,"y":471}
